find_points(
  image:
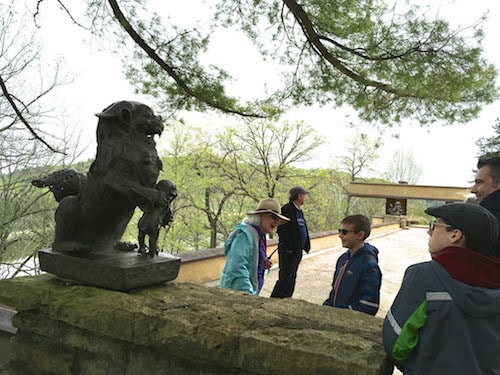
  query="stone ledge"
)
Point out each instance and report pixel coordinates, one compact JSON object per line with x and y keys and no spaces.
{"x":191,"y":326}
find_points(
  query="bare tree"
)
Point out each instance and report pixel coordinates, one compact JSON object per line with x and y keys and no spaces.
{"x":360,"y":155}
{"x":403,"y":167}
{"x":25,"y":81}
{"x":358,"y":159}
{"x":29,"y":143}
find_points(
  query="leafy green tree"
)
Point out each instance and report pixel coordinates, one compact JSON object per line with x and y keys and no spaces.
{"x":188,"y":231}
{"x":388,"y":63}
{"x":490,"y":146}
{"x":325,"y":205}
{"x":200,"y":218}
{"x":221,"y":176}
{"x":258,"y":156}
{"x":27,"y":215}
{"x":210,"y":193}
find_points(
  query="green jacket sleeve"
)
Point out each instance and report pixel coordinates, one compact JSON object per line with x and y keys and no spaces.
{"x":407,"y":315}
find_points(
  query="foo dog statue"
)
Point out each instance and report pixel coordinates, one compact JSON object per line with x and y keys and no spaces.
{"x":94,"y":212}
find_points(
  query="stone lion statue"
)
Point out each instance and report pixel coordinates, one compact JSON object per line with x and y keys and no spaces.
{"x":93,"y":216}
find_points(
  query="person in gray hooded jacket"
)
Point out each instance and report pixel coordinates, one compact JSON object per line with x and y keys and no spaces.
{"x":445,"y":318}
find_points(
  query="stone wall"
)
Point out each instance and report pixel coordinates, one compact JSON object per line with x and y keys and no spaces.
{"x":203,"y":266}
{"x":182,"y":328}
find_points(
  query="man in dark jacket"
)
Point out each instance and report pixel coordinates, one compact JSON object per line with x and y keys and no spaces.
{"x":487,"y":190}
{"x":293,"y":239}
{"x":445,"y":318}
{"x":357,"y":278}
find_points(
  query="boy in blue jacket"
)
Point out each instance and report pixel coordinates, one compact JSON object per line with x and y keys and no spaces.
{"x":357,"y":277}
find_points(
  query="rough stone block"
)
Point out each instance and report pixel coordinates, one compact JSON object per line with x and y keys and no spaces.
{"x":184,"y":329}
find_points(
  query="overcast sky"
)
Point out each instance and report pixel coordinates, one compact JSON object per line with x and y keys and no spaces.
{"x":447,"y":154}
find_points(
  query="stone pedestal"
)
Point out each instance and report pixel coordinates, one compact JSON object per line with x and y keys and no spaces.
{"x":115,"y":270}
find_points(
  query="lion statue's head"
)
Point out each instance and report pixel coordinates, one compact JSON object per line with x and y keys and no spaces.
{"x":131,"y":117}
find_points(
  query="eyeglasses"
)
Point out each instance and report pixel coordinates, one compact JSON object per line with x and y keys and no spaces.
{"x":434,"y":224}
{"x":273,"y":216}
{"x":345,"y":231}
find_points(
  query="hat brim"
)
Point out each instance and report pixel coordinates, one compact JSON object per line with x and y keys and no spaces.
{"x":284,"y":218}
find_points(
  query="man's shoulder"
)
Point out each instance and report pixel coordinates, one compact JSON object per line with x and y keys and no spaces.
{"x":420,"y":266}
{"x":420,"y":271}
{"x":288,"y":207}
{"x":492,"y":202}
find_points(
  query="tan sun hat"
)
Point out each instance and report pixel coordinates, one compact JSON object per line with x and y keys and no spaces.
{"x":271,"y":206}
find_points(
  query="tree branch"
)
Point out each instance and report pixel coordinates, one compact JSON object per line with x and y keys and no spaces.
{"x":125,"y":24}
{"x":8,"y":96}
{"x":314,"y":39}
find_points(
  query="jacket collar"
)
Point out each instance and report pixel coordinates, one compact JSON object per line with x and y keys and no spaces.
{"x":470,"y":267}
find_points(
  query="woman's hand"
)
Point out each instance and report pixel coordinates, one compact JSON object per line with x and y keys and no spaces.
{"x":268,"y":263}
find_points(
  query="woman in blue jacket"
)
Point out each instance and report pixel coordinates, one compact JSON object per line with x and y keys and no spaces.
{"x":246,"y":248}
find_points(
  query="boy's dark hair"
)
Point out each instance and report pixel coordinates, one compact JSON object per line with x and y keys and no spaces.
{"x":494,"y":164}
{"x":360,"y":223}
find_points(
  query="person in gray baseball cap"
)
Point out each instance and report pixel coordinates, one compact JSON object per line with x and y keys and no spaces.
{"x":446,"y":316}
